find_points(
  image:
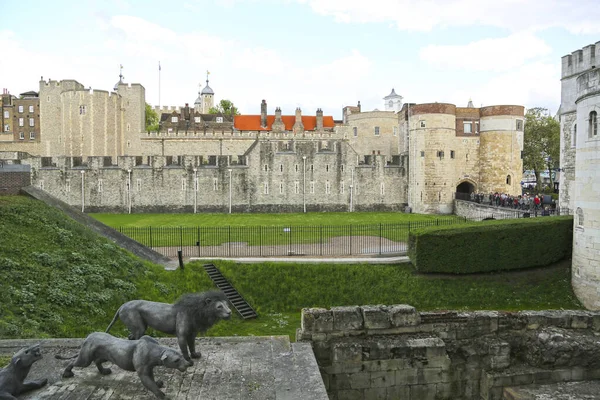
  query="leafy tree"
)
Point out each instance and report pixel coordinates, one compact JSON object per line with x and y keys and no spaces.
{"x":541,"y":142}
{"x":224,"y":107}
{"x":151,"y":119}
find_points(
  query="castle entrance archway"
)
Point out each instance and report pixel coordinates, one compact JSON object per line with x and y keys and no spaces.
{"x":465,"y":187}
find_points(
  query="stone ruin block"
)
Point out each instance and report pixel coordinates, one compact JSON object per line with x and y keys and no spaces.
{"x":376,"y":317}
{"x":347,"y":318}
{"x":403,"y":315}
{"x":317,"y":320}
{"x":553,"y":347}
{"x":347,"y":352}
{"x":539,"y":319}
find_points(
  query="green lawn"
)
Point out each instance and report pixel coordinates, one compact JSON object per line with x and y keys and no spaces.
{"x":168,"y":230}
{"x":296,"y":219}
{"x":59,"y":279}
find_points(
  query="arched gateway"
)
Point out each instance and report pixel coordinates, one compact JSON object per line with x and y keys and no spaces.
{"x":465,"y":187}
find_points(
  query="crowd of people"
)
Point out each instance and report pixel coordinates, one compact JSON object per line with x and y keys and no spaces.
{"x":526,"y":201}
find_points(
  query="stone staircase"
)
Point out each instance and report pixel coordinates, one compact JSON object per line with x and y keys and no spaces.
{"x":261,"y":368}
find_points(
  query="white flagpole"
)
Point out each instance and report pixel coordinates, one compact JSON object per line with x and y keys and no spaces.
{"x":159,"y":85}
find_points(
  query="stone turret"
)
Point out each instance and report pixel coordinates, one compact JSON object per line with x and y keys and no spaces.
{"x":298,"y":125}
{"x":263,"y":114}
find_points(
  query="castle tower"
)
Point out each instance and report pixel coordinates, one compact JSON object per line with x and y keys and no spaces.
{"x":585,"y":189}
{"x":207,"y":95}
{"x":198,"y":102}
{"x":432,"y":127}
{"x":393,"y":102}
{"x":116,"y":88}
{"x":501,"y":146}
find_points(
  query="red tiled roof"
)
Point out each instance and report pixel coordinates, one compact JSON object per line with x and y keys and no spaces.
{"x":252,"y":122}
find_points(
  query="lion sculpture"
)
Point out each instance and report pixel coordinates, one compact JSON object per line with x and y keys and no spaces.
{"x":191,"y":314}
{"x":12,"y":377}
{"x":140,"y":356}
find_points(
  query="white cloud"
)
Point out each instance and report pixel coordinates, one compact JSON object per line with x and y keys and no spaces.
{"x":488,"y":54}
{"x":577,"y":17}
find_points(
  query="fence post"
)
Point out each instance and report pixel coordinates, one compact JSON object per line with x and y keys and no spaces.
{"x":260,"y":240}
{"x":380,"y":237}
{"x":151,"y":237}
{"x":198,"y":241}
{"x":321,"y":240}
{"x":229,"y":241}
{"x":350,"y":239}
{"x":181,"y":237}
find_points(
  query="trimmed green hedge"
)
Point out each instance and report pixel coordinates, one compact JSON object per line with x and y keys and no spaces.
{"x":491,"y":245}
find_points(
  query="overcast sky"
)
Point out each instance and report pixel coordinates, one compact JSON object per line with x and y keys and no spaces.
{"x":301,"y":53}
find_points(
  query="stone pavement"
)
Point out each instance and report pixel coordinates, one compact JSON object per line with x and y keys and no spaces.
{"x":261,"y":368}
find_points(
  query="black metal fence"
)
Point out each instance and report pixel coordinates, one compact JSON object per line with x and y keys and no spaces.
{"x":268,"y":241}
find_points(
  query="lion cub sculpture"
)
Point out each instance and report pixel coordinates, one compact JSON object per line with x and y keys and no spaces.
{"x":12,"y":377}
{"x":191,"y":314}
{"x":140,"y":356}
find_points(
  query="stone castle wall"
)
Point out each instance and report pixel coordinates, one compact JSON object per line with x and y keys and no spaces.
{"x":394,"y":352}
{"x":269,"y":177}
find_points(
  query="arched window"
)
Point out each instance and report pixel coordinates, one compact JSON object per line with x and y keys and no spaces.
{"x":574,"y":136}
{"x":508,"y":180}
{"x":593,"y":129}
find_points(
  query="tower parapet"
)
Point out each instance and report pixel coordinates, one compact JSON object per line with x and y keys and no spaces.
{"x":580,"y":60}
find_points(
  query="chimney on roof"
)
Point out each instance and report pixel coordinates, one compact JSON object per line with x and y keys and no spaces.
{"x":319,"y":126}
{"x":263,"y":114}
{"x":278,"y":125}
{"x":298,"y":125}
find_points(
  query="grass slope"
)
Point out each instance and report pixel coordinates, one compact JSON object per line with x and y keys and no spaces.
{"x":61,"y":280}
{"x":297,"y":219}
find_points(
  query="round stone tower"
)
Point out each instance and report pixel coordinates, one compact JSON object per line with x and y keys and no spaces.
{"x":500,"y":149}
{"x":432,"y":128}
{"x":586,"y":237}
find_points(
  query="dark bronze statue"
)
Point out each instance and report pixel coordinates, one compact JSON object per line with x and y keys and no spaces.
{"x":12,"y":377}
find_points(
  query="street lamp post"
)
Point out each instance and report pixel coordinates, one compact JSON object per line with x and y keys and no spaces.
{"x":229,"y":190}
{"x":82,"y":191}
{"x":304,"y":182}
{"x":129,"y":191}
{"x":195,"y":189}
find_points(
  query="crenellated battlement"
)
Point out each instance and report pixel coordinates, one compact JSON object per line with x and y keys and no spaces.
{"x":580,"y":60}
{"x":90,"y":93}
{"x":211,"y":134}
{"x":166,"y":109}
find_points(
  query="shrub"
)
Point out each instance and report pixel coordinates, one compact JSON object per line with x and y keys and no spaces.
{"x":491,"y":245}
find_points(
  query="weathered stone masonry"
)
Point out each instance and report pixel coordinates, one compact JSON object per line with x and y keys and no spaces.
{"x":395,"y":352}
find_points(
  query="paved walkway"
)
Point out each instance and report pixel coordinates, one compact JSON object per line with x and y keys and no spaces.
{"x":236,"y":368}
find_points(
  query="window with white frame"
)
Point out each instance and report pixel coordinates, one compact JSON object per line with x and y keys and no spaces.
{"x":266,"y":167}
{"x":312,"y":186}
{"x":82,"y":110}
{"x":280,"y":187}
{"x":593,"y":128}
{"x":297,"y":187}
{"x":68,"y":186}
{"x":219,"y":120}
{"x":31,"y":135}
{"x":382,"y":188}
{"x":327,"y":187}
{"x":22,"y":135}
{"x":376,"y":131}
{"x":31,"y":122}
{"x":6,"y":127}
{"x":20,"y":109}
{"x":6,"y":114}
{"x":422,"y":124}
{"x":266,"y":188}
{"x":21,"y":121}
{"x":174,"y":120}
{"x":519,"y":124}
{"x":215,"y":184}
{"x":30,"y":109}
{"x":467,"y":127}
{"x":476,"y":127}
{"x":296,"y":167}
{"x":100,"y":185}
{"x":197,"y":120}
{"x":574,"y":136}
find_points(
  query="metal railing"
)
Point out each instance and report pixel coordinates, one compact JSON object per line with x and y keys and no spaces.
{"x":269,"y":241}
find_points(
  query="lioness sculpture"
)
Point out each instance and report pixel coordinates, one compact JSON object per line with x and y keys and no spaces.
{"x":140,"y":356}
{"x":191,"y":314}
{"x":12,"y":377}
